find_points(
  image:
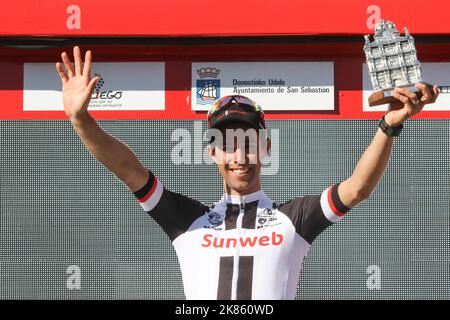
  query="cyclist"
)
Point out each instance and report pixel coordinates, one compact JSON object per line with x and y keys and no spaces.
{"x":245,"y":246}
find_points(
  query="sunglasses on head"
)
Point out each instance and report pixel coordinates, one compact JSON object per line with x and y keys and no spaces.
{"x":239,"y":100}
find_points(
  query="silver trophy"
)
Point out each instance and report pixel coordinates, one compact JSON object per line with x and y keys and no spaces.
{"x":392,"y":62}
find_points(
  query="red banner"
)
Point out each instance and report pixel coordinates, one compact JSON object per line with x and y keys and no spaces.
{"x":207,"y":17}
{"x":176,"y":78}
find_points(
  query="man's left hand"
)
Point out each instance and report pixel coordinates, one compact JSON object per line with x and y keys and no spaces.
{"x":409,"y":103}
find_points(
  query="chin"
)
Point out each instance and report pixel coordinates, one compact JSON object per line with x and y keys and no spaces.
{"x":241,"y":186}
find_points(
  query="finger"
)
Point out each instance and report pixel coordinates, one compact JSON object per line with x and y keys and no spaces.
{"x":87,"y":64}
{"x":395,"y":105}
{"x":67,"y":64}
{"x":403,"y":98}
{"x":77,"y":58}
{"x":411,"y":95}
{"x":420,"y":85}
{"x":436,"y":90}
{"x":426,"y":93}
{"x":435,"y":94}
{"x":92,"y":83}
{"x":62,"y":73}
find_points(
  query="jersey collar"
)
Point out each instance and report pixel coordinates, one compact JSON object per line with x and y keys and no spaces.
{"x":258,"y":195}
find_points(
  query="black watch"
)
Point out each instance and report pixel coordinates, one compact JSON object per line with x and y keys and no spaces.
{"x":388,"y":130}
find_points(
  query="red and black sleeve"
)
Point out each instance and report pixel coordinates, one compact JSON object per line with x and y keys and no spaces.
{"x":311,"y":215}
{"x":172,"y":211}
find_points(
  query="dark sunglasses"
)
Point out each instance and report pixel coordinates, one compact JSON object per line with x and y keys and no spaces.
{"x":240,"y":100}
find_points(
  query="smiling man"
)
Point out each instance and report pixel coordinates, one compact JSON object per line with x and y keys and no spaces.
{"x":245,"y":246}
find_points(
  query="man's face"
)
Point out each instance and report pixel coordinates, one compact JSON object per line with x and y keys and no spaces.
{"x":238,"y":158}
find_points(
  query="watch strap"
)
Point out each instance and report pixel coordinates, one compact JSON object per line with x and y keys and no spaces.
{"x":388,"y":130}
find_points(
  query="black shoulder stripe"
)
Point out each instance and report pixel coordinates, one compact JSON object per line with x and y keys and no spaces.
{"x":142,"y":192}
{"x":306,"y":215}
{"x":337,"y":201}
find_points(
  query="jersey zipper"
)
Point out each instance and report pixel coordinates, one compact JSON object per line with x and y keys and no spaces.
{"x":236,"y":254}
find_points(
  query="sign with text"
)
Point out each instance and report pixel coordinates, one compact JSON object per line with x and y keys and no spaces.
{"x":273,"y":85}
{"x":432,"y":73}
{"x":122,"y":86}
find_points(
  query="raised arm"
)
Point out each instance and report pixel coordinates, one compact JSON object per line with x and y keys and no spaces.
{"x":373,"y":162}
{"x":77,"y":88}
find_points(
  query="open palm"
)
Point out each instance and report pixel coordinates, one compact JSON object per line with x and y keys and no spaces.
{"x":77,"y":85}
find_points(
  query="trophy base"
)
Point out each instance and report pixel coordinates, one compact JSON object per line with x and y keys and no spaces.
{"x":385,"y":96}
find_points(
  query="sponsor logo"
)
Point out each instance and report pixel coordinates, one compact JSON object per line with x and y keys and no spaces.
{"x":228,"y":112}
{"x":210,"y":241}
{"x":265,"y":218}
{"x":105,"y":95}
{"x":262,"y":220}
{"x":215,"y":219}
{"x":208,"y":86}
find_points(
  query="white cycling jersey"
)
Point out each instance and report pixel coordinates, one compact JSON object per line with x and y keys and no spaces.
{"x":242,"y":247}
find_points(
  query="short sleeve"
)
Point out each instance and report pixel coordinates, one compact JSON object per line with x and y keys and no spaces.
{"x":172,"y":211}
{"x":311,"y":215}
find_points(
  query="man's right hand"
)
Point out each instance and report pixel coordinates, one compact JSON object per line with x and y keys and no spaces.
{"x":77,"y":85}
